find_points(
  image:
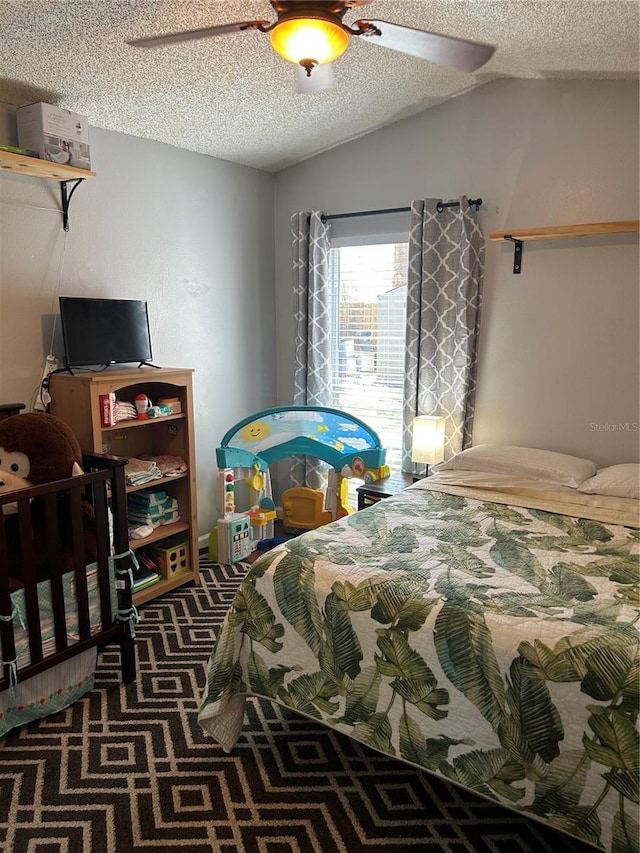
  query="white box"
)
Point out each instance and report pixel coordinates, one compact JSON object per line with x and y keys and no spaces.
{"x":52,"y":133}
{"x":8,"y":130}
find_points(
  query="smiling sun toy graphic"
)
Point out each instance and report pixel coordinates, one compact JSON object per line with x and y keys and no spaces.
{"x":255,"y":431}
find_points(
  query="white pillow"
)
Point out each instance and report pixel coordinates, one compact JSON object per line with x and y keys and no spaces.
{"x":619,"y":481}
{"x":523,"y":462}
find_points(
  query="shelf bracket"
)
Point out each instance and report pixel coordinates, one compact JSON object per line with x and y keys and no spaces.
{"x":66,"y":199}
{"x":517,"y":253}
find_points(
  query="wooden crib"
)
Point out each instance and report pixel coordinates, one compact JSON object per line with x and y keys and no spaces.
{"x":101,"y":609}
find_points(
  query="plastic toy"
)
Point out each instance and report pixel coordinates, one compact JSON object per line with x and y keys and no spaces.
{"x":247,"y":450}
{"x":303,"y":507}
{"x":234,"y":538}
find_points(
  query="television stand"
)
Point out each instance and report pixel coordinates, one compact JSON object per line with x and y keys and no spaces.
{"x":149,"y":364}
{"x":76,"y":400}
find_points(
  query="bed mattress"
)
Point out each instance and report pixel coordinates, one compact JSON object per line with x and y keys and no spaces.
{"x":483,"y":629}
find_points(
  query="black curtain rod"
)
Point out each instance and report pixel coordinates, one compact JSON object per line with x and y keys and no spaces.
{"x":474,"y":202}
{"x":365,"y":213}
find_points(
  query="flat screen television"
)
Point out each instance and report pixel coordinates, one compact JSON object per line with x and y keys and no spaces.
{"x":104,"y":331}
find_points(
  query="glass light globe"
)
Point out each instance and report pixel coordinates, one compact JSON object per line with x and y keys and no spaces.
{"x":309,"y":38}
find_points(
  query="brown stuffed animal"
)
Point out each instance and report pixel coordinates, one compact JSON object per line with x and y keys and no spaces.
{"x":37,"y":449}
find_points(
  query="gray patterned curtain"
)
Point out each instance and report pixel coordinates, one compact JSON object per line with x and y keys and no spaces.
{"x":311,"y":240}
{"x":444,"y":295}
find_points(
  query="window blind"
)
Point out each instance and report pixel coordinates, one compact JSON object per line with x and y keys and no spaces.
{"x":368,"y":285}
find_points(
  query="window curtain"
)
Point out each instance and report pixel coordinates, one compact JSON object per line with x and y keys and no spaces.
{"x":311,"y":242}
{"x":444,"y":295}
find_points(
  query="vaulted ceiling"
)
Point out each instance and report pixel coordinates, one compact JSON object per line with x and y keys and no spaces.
{"x":232,"y":97}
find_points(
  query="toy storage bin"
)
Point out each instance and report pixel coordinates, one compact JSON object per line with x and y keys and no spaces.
{"x":172,"y":557}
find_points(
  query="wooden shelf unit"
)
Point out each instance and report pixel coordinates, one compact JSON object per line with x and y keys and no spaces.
{"x":75,"y":398}
{"x":562,"y":232}
{"x":36,"y":168}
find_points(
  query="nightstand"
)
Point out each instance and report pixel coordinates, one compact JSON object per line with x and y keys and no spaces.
{"x":371,"y":493}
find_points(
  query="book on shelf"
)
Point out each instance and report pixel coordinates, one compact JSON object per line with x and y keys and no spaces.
{"x":144,"y":578}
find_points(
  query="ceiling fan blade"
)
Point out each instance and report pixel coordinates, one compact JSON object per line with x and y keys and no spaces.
{"x":446,"y":50}
{"x":190,"y":35}
{"x":322,"y":78}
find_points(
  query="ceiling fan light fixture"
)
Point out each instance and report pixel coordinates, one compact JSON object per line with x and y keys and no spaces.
{"x":309,"y":40}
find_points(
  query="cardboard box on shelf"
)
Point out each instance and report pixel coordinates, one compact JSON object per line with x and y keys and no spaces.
{"x":54,"y":134}
{"x":107,"y":409}
{"x":172,"y":403}
{"x":8,"y":128}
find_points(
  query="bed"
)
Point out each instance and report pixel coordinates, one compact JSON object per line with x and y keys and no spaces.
{"x":50,"y":629}
{"x":482,"y":625}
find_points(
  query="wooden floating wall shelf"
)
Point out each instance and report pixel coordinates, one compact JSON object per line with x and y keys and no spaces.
{"x":36,"y":168}
{"x":556,"y":232}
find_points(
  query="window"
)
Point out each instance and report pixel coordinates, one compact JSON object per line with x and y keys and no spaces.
{"x":368,"y":284}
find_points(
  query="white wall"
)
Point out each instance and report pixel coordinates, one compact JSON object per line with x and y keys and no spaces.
{"x":194,"y":236}
{"x":558,"y":360}
{"x":190,"y":234}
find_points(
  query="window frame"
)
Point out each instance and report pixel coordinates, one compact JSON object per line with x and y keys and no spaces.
{"x":358,"y":232}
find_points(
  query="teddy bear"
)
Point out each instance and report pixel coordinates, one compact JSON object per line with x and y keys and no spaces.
{"x":37,"y":449}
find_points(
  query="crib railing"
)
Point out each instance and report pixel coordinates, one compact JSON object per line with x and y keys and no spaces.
{"x":50,"y":505}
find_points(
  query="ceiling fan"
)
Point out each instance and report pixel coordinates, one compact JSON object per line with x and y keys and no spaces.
{"x":312,"y":34}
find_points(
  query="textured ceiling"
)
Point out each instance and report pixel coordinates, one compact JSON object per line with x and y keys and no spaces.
{"x":233,"y":97}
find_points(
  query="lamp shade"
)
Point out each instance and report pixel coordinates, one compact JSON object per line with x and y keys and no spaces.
{"x":310,"y":39}
{"x":428,"y":439}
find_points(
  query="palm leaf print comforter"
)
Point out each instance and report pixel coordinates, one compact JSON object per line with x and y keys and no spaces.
{"x":493,"y":644}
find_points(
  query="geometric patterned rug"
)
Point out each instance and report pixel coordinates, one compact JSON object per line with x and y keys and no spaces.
{"x":128,"y":768}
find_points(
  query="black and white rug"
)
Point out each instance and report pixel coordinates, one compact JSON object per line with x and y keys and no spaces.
{"x":127,"y":768}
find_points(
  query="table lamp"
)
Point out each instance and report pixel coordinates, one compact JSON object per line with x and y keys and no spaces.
{"x":428,"y":440}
